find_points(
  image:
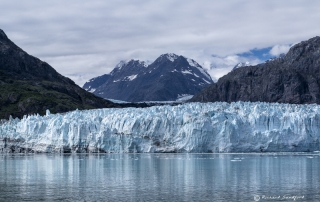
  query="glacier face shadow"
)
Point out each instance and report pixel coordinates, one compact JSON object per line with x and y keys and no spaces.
{"x":192,"y":127}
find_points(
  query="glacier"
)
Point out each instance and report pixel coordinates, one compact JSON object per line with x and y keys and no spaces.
{"x":190,"y":127}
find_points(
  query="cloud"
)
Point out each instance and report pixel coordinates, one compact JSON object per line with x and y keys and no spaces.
{"x":219,"y":66}
{"x":88,"y":38}
{"x":279,"y":49}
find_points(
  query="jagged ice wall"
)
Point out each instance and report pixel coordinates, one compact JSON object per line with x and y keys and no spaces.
{"x":192,"y":127}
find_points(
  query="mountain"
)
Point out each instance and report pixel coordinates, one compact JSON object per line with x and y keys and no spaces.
{"x":168,"y":78}
{"x":96,"y":82}
{"x":191,"y":127}
{"x":29,"y":85}
{"x":291,"y":78}
{"x":240,"y":64}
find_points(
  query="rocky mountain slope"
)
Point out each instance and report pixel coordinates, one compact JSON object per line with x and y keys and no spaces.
{"x":291,"y":78}
{"x":29,"y":85}
{"x":168,"y":78}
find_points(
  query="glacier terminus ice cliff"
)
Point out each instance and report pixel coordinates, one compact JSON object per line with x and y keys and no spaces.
{"x":191,"y":127}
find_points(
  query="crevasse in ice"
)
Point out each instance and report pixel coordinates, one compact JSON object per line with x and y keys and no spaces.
{"x":191,"y":127}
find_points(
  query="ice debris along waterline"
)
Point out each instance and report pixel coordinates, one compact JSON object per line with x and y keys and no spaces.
{"x":191,"y":127}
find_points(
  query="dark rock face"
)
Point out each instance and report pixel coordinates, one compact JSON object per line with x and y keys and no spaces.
{"x":29,"y":85}
{"x":95,"y":83}
{"x":166,"y":79}
{"x":292,"y":78}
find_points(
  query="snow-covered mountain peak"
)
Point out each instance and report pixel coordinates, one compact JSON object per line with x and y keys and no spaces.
{"x":125,"y":66}
{"x":120,"y":64}
{"x":170,"y":56}
{"x":136,"y":80}
{"x":145,"y":64}
{"x":241,"y":64}
{"x":124,"y":63}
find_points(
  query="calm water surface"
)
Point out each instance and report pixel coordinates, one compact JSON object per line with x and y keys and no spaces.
{"x":160,"y":177}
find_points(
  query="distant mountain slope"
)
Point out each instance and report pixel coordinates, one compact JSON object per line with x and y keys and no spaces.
{"x":291,"y":78}
{"x":96,"y":82}
{"x":241,"y":64}
{"x":29,"y":85}
{"x":168,"y":78}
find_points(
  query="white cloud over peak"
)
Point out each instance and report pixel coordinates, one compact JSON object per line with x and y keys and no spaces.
{"x":279,"y":49}
{"x":223,"y":65}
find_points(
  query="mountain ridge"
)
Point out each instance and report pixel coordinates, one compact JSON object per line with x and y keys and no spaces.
{"x":30,"y":86}
{"x":166,"y":79}
{"x":292,"y":78}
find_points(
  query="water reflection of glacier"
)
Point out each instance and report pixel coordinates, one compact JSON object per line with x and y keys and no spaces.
{"x":158,"y":177}
{"x":193,"y":127}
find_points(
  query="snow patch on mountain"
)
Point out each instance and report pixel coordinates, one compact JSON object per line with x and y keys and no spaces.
{"x":132,"y":77}
{"x":193,"y":63}
{"x":92,"y":90}
{"x":117,"y":101}
{"x":204,"y":72}
{"x":206,"y":81}
{"x":184,"y":97}
{"x":186,"y":72}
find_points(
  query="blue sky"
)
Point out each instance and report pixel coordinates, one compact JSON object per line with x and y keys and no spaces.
{"x":84,"y":39}
{"x":267,"y":53}
{"x":262,"y":54}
